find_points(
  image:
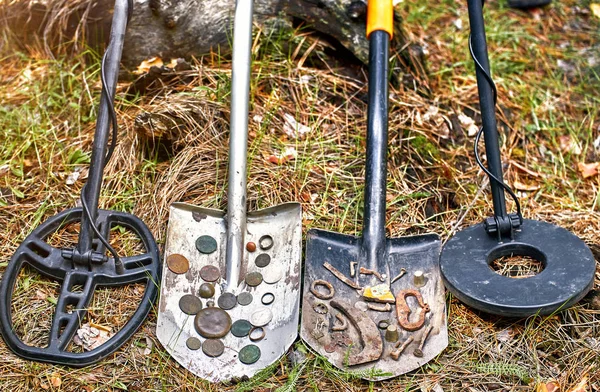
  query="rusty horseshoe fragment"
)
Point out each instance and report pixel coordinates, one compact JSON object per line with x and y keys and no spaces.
{"x":403,"y":310}
{"x":370,"y":338}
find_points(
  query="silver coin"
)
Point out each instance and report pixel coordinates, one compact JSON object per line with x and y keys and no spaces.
{"x":261,"y":317}
{"x":272,"y":275}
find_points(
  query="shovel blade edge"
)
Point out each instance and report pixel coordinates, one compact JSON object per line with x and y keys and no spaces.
{"x":186,"y":224}
{"x":414,"y":253}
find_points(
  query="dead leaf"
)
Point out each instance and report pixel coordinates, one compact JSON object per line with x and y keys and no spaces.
{"x":89,"y":337}
{"x":55,"y":380}
{"x":525,"y":187}
{"x":287,"y":155}
{"x":550,"y":386}
{"x":588,"y":169}
{"x":582,"y":386}
{"x":39,"y":294}
{"x":145,"y":65}
{"x":293,"y":128}
{"x":567,"y":144}
{"x":595,"y":7}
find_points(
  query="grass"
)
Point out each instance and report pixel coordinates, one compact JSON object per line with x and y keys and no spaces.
{"x":549,"y":121}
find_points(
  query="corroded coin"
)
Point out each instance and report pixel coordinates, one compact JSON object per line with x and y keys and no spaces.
{"x":272,"y":275}
{"x":261,"y":317}
{"x":193,"y":343}
{"x":268,"y":298}
{"x":244,"y":298}
{"x":213,"y":347}
{"x":178,"y":264}
{"x":249,"y":354}
{"x":210,"y":273}
{"x":227,"y":301}
{"x":241,"y":328}
{"x":190,"y":304}
{"x":207,"y":290}
{"x":265,"y":242}
{"x":254,"y":279}
{"x":212,"y":323}
{"x":206,"y":244}
{"x":262,"y":260}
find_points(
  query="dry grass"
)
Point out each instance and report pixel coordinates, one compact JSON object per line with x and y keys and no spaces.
{"x":549,"y":109}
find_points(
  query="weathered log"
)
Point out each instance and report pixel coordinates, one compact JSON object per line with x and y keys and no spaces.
{"x":180,"y":28}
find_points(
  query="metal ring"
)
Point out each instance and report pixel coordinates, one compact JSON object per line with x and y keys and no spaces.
{"x":260,"y":337}
{"x":320,"y":282}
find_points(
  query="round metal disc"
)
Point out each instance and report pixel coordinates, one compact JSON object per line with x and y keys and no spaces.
{"x":265,"y":242}
{"x":249,"y":354}
{"x":210,"y":273}
{"x":227,"y":301}
{"x":244,"y":298}
{"x":262,"y":260}
{"x":261,"y":317}
{"x":241,"y":328}
{"x":254,"y":279}
{"x":190,"y":304}
{"x":178,"y":264}
{"x":207,"y":290}
{"x":212,"y":323}
{"x":213,"y":347}
{"x":193,"y":343}
{"x":206,"y":244}
{"x":361,"y":305}
{"x":568,"y":273}
{"x":272,"y":275}
{"x":267,"y":298}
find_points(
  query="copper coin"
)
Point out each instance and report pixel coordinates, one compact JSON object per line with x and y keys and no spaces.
{"x":206,"y":244}
{"x":178,"y":264}
{"x":254,"y":279}
{"x":227,"y":301}
{"x":265,"y":242}
{"x":250,"y":246}
{"x":262,"y":260}
{"x":249,"y":354}
{"x":212,"y":323}
{"x":210,"y":273}
{"x":241,"y":328}
{"x":207,"y":290}
{"x":244,"y":298}
{"x":193,"y":343}
{"x":213,"y":347}
{"x":190,"y":304}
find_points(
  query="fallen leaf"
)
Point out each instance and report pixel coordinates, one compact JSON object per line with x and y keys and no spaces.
{"x":89,"y":337}
{"x":595,"y":7}
{"x":288,"y":154}
{"x":293,"y":128}
{"x":582,"y":386}
{"x":588,"y":169}
{"x":468,"y":123}
{"x":525,"y":187}
{"x":39,"y":294}
{"x":55,"y":380}
{"x":567,"y":144}
{"x":145,"y":65}
{"x":550,"y":386}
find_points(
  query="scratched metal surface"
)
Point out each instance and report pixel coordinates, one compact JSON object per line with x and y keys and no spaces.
{"x":412,"y":253}
{"x":283,"y":224}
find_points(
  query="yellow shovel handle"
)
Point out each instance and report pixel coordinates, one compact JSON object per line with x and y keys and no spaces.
{"x":380,"y":16}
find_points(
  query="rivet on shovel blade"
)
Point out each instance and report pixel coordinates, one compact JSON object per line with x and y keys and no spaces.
{"x":190,"y":304}
{"x":213,"y":347}
{"x":244,"y":298}
{"x":178,"y":264}
{"x":212,"y":323}
{"x":249,"y":354}
{"x":227,"y":301}
{"x":207,"y":290}
{"x":193,"y":343}
{"x":210,"y":273}
{"x":206,"y":244}
{"x":262,"y":260}
{"x":265,"y":242}
{"x":253,"y":279}
{"x":241,"y":328}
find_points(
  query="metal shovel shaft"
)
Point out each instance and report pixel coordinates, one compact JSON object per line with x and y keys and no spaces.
{"x":377,"y":138}
{"x":238,"y":139}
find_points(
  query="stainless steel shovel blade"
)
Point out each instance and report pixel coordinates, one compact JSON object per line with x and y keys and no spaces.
{"x":231,"y":282}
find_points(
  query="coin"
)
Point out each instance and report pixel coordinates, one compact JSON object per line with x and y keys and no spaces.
{"x":213,"y":347}
{"x":178,"y":264}
{"x":244,"y":298}
{"x":262,"y":260}
{"x":267,"y":298}
{"x":206,"y":244}
{"x":261,"y":317}
{"x":227,"y":301}
{"x":254,"y":279}
{"x":210,"y":273}
{"x":193,"y":343}
{"x":249,"y":354}
{"x":212,"y":323}
{"x":272,"y":275}
{"x":190,"y":304}
{"x":265,"y":242}
{"x":241,"y":328}
{"x":206,"y":290}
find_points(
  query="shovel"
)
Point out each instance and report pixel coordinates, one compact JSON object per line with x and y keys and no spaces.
{"x":231,"y":282}
{"x":374,"y":302}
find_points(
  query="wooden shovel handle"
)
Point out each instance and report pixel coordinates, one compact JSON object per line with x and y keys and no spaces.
{"x":380,"y":16}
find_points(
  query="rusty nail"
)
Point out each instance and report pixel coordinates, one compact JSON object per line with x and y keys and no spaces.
{"x":366,"y":271}
{"x":401,"y":274}
{"x":353,"y":268}
{"x":419,"y":351}
{"x":396,"y":354}
{"x":379,"y":307}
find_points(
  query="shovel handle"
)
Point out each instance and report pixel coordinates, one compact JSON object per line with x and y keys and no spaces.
{"x":380,"y":16}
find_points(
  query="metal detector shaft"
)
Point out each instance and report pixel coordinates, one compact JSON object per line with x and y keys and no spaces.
{"x":377,"y":138}
{"x":487,"y":104}
{"x":238,"y":140}
{"x":94,"y":182}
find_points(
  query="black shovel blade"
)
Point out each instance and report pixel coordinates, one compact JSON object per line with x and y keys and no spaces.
{"x":337,"y":321}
